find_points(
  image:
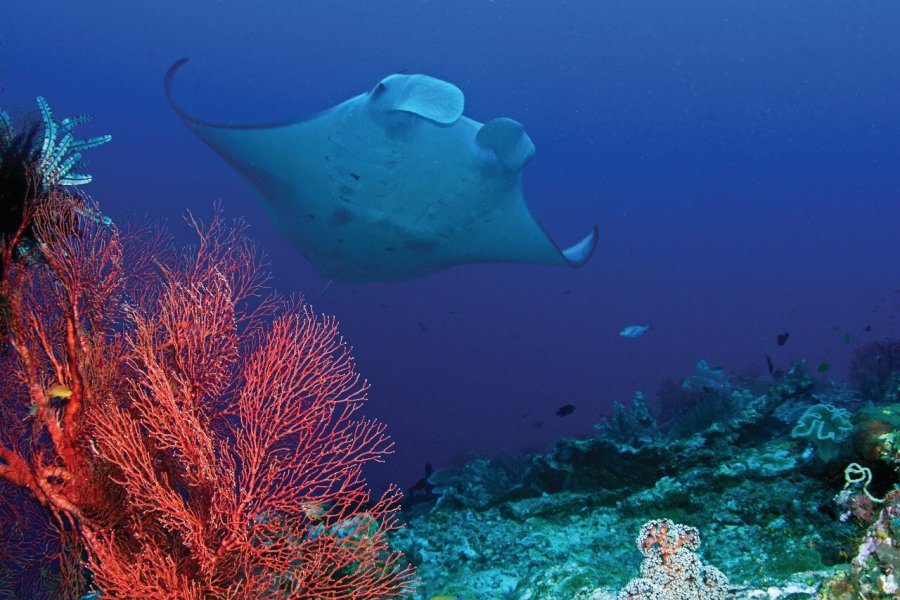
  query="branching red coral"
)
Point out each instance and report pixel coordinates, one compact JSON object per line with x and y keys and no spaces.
{"x":189,"y":436}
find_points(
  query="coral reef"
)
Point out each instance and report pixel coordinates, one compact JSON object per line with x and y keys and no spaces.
{"x":632,"y":427}
{"x":875,"y":371}
{"x":183,"y":433}
{"x":700,"y":400}
{"x":874,"y":570}
{"x":561,"y":524}
{"x":877,"y":434}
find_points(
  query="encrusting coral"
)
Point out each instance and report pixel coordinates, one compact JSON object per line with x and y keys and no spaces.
{"x":671,"y":570}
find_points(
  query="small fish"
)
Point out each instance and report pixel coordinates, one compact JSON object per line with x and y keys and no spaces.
{"x":422,"y":326}
{"x":770,"y":365}
{"x":783,"y":338}
{"x":867,"y":328}
{"x":633,"y":331}
{"x":94,"y":215}
{"x":846,"y":338}
{"x":566,"y":410}
{"x":313,"y":509}
{"x":325,"y":289}
{"x":823,"y":367}
{"x":59,"y":391}
{"x":446,"y":597}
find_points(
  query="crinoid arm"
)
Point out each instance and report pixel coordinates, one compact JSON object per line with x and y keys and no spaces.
{"x":60,"y":155}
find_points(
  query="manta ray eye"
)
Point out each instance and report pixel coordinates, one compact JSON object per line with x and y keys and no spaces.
{"x":379,"y":88}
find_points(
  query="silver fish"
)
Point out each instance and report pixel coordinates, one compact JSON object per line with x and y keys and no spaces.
{"x":633,"y":331}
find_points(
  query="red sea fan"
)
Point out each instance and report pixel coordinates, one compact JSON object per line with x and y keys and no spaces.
{"x":195,"y":437}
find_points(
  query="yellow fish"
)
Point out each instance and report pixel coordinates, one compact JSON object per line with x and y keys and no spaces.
{"x":59,"y":391}
{"x":446,"y":597}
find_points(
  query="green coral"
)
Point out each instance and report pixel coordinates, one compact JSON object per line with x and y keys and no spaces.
{"x":825,"y":426}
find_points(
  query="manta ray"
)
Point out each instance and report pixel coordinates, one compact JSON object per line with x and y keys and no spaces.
{"x":392,"y":184}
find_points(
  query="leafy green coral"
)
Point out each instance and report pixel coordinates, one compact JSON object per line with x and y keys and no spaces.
{"x":825,"y":426}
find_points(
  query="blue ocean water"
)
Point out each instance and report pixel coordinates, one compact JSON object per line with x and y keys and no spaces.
{"x":740,"y":159}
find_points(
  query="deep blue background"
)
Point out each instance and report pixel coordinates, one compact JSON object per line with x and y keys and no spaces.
{"x":741,"y":158}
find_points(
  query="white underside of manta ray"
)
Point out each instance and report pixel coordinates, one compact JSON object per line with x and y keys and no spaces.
{"x":393,"y":184}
